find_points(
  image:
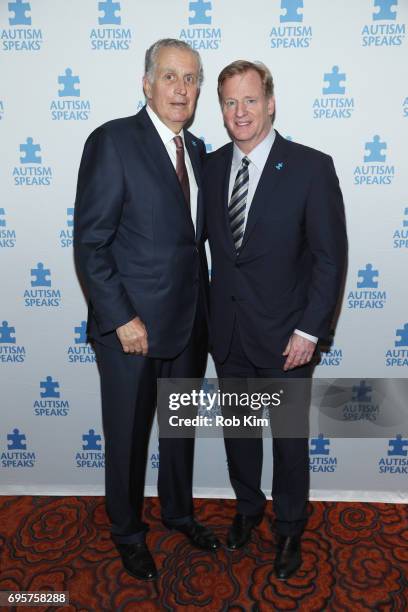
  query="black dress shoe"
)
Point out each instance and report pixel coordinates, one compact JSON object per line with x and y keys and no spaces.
{"x":288,"y":556}
{"x":199,"y":536}
{"x":137,"y":560}
{"x":240,"y":530}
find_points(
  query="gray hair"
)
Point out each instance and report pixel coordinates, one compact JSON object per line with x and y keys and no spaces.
{"x":153,"y":50}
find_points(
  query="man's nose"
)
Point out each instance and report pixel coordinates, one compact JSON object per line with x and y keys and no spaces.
{"x":240,"y":109}
{"x":181,"y":87}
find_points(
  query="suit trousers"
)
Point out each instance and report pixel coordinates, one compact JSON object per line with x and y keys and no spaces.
{"x":290,"y":487}
{"x":129,"y":390}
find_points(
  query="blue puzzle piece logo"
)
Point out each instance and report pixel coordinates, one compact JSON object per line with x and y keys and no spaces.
{"x":68,"y":82}
{"x":385,"y":12}
{"x":39,"y":275}
{"x":200,"y":8}
{"x":291,"y":14}
{"x":16,"y":440}
{"x":405,"y":221}
{"x":6,"y":333}
{"x":403,"y":334}
{"x":2,"y":214}
{"x":368,"y":278}
{"x":30,"y":152}
{"x":397,"y":447}
{"x":320,"y":445}
{"x":50,"y":387}
{"x":70,"y":213}
{"x":375,"y":148}
{"x":208,"y":146}
{"x":80,"y":332}
{"x":361,"y":392}
{"x":92,"y":441}
{"x":19,"y":8}
{"x":334,"y":79}
{"x":109,"y":9}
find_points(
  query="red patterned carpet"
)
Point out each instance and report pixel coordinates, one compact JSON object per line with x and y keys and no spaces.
{"x":355,"y":557}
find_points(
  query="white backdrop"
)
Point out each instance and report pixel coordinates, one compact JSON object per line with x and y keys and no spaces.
{"x":340,"y":71}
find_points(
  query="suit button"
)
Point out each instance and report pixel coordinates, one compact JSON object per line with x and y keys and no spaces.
{"x":233,"y":298}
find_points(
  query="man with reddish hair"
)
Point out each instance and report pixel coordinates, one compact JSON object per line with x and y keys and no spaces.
{"x":276,"y":230}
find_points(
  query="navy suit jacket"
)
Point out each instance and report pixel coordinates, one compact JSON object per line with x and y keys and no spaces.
{"x":134,"y":240}
{"x":290,"y":267}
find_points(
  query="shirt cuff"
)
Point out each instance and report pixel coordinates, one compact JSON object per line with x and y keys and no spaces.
{"x":307,"y":336}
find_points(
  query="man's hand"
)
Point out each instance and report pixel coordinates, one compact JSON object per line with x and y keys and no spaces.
{"x":133,"y":337}
{"x":299,"y":351}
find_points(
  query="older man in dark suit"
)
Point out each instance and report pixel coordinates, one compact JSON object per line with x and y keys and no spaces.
{"x":138,"y":246}
{"x":276,"y":230}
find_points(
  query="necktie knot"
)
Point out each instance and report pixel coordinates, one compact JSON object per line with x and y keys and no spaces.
{"x":178,"y":141}
{"x":245,"y":162}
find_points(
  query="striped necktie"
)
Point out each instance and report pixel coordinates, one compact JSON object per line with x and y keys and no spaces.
{"x":237,"y":203}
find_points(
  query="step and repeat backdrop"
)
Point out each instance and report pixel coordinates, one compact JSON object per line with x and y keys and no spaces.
{"x":340,"y":71}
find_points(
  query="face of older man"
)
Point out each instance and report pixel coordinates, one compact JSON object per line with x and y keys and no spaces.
{"x":246,"y":110}
{"x":174,"y":90}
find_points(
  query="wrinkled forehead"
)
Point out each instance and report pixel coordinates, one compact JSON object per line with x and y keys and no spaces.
{"x":173,"y":58}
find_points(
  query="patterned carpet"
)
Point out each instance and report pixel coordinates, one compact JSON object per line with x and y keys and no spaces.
{"x":355,"y":557}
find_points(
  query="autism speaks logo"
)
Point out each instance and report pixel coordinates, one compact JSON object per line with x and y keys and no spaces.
{"x":41,"y":294}
{"x":91,"y":455}
{"x":114,"y":37}
{"x":400,"y":235}
{"x":31,"y":171}
{"x":81,"y":351}
{"x":320,"y":458}
{"x":331,"y":358}
{"x":66,"y":235}
{"x":374,"y":171}
{"x":361,"y":407}
{"x":208,"y":146}
{"x":21,"y":36}
{"x":291,"y":31}
{"x":69,"y":106}
{"x":10,"y":351}
{"x":398,"y":355}
{"x":334,"y":104}
{"x":7,"y":235}
{"x":384,"y":29}
{"x":200,"y":36}
{"x":367,"y":295}
{"x":17,"y":454}
{"x":50,"y":402}
{"x":404,"y":108}
{"x":396,"y":460}
{"x":1,"y":110}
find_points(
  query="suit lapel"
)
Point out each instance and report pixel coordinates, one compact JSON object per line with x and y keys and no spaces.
{"x":226,"y":171}
{"x":156,"y":151}
{"x":271,"y":175}
{"x":193,"y":149}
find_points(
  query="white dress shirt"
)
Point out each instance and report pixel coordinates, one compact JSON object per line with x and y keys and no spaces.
{"x":257,"y":157}
{"x":167,"y":135}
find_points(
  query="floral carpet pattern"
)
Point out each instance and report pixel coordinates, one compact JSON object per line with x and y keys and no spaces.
{"x":355,"y":558}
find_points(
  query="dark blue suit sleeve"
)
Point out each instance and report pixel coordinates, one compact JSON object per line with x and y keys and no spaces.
{"x":101,"y":194}
{"x":327,"y":240}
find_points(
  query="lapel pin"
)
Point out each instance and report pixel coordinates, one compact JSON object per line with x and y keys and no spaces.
{"x":279,"y":166}
{"x":193,"y":142}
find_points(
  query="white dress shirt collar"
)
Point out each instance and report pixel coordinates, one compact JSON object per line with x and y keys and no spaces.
{"x":165,"y":133}
{"x":258,"y":155}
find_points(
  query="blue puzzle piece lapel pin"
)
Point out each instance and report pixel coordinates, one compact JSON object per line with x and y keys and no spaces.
{"x":194,"y":143}
{"x":279,"y":166}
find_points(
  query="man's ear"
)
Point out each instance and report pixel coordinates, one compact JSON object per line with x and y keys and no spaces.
{"x":271,"y":105}
{"x":147,"y":88}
